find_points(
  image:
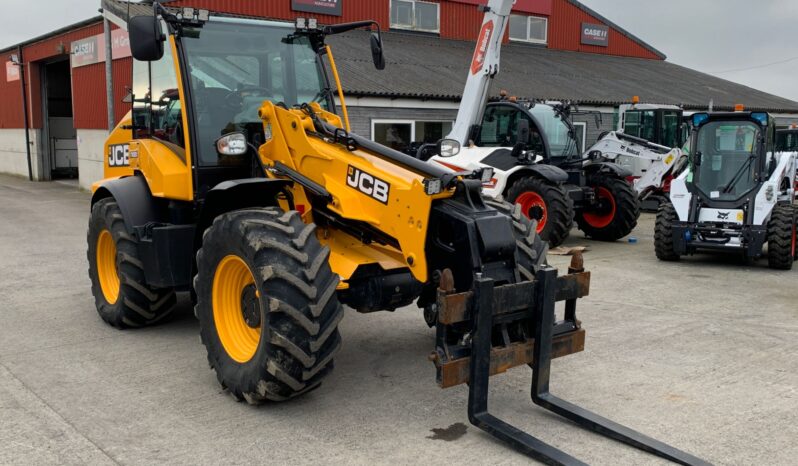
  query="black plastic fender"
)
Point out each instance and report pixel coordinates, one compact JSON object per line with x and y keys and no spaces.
{"x":607,"y":168}
{"x":134,"y":198}
{"x":238,"y":194}
{"x":550,"y":173}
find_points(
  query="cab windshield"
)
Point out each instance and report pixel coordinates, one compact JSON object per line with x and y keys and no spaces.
{"x":559,"y":135}
{"x":726,"y":154}
{"x":234,"y":65}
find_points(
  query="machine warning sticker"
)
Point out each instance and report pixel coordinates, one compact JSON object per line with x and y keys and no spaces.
{"x":118,"y":155}
{"x":368,"y":184}
{"x":669,"y":159}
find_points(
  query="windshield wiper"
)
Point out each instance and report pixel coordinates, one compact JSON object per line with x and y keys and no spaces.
{"x":738,"y":175}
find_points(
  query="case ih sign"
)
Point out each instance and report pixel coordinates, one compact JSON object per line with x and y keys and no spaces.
{"x":595,"y":34}
{"x":92,"y":49}
{"x":324,"y":7}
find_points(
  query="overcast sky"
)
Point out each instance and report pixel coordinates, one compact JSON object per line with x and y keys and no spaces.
{"x":750,"y":42}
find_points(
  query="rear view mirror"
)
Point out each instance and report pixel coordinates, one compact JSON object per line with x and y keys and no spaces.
{"x":376,"y":51}
{"x":522,"y":131}
{"x":448,"y":148}
{"x":146,"y":38}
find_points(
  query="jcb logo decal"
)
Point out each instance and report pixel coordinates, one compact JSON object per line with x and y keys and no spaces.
{"x":368,"y":184}
{"x":118,"y":155}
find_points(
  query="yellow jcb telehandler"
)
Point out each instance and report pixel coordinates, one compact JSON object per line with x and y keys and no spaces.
{"x":234,"y":179}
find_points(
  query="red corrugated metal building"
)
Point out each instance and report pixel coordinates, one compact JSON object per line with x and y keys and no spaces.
{"x":66,"y":91}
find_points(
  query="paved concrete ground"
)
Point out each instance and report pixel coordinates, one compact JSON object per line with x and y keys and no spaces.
{"x":702,"y":354}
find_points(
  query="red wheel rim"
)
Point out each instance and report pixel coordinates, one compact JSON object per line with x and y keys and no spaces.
{"x":534,"y":207}
{"x":604,"y":217}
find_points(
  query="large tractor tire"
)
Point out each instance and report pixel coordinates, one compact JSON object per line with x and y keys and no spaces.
{"x":617,"y":213}
{"x":531,"y":248}
{"x":121,"y":293}
{"x":663,"y":233}
{"x":267,"y":304}
{"x":546,"y":202}
{"x":781,"y":237}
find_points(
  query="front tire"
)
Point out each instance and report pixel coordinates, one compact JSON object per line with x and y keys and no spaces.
{"x":781,"y":237}
{"x":531,"y":248}
{"x":267,"y":304}
{"x":121,"y":293}
{"x":618,"y":211}
{"x":663,"y":233}
{"x":547,"y":203}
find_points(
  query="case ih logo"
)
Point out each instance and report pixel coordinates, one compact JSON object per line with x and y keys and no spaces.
{"x":595,"y":34}
{"x":482,"y":47}
{"x":325,"y":7}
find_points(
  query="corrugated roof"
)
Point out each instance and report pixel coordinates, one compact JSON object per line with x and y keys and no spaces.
{"x":427,"y":67}
{"x":122,"y":9}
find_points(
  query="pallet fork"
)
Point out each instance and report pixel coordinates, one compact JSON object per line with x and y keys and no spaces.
{"x":473,"y":360}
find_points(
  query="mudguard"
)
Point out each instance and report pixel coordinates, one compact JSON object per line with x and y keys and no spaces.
{"x":607,"y":168}
{"x":547,"y":172}
{"x":239,"y":194}
{"x":134,"y":198}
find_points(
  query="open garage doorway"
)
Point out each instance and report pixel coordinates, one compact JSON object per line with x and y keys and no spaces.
{"x":59,"y":138}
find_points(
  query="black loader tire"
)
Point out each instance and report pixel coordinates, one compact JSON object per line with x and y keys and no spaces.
{"x":626,"y":212}
{"x":294,"y":294}
{"x":559,"y":207}
{"x":531,"y":248}
{"x":663,"y":233}
{"x":781,"y":237}
{"x":137,"y":304}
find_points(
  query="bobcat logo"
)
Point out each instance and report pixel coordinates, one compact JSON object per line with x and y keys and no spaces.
{"x":723,"y":215}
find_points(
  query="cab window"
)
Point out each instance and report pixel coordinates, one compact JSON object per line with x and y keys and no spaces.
{"x":157,"y":110}
{"x":500,"y":126}
{"x":642,"y":124}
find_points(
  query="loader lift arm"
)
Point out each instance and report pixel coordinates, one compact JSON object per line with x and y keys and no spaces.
{"x":484,"y":66}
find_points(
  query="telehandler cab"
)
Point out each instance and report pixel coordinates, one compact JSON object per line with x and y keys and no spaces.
{"x":244,"y":187}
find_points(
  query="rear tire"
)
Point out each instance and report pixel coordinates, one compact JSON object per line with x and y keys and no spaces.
{"x":663,"y":233}
{"x":121,"y":293}
{"x":781,"y":237}
{"x":271,"y":325}
{"x":621,"y":212}
{"x":547,"y":203}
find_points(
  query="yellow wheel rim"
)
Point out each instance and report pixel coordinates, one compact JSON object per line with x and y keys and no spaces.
{"x":106,"y":267}
{"x":230,"y":281}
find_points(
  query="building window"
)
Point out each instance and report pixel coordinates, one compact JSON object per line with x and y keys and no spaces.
{"x":532,"y":29}
{"x":402,"y":135}
{"x":415,"y":15}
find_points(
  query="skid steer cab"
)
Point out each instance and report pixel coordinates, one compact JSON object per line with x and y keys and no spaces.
{"x":737,"y":194}
{"x":243,"y":186}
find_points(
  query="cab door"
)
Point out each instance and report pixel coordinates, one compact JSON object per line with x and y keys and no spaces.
{"x":160,"y":149}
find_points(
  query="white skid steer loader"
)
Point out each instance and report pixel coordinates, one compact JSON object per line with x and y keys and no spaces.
{"x":736,"y":195}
